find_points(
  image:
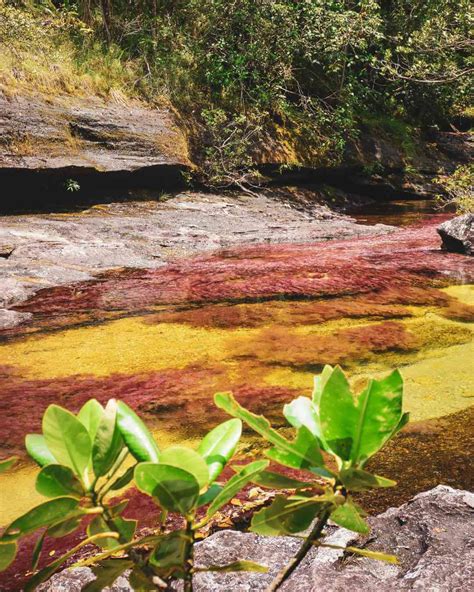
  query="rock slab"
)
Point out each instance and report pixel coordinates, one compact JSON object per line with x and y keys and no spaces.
{"x":458,"y":234}
{"x":432,"y":535}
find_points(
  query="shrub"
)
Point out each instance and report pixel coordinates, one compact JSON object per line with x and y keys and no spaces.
{"x":458,"y":189}
{"x":84,"y":460}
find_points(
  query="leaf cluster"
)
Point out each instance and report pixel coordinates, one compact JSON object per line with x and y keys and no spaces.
{"x":85,"y":459}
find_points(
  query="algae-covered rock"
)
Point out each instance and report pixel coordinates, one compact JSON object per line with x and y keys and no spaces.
{"x":458,"y":234}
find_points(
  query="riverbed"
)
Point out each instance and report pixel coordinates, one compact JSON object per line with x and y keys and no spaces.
{"x":259,"y":320}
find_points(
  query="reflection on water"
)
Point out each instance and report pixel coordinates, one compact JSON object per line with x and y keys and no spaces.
{"x":403,"y":212}
{"x":259,"y":321}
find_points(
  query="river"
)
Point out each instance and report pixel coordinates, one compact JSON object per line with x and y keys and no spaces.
{"x":260,"y":321}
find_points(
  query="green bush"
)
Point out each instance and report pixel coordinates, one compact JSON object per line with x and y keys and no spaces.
{"x":458,"y":189}
{"x":85,"y":458}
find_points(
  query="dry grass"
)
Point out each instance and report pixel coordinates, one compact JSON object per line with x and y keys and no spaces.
{"x":56,"y":55}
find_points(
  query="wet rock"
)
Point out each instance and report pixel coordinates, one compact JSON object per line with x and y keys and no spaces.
{"x":431,"y":535}
{"x":458,"y":234}
{"x":11,"y":318}
{"x":57,"y":249}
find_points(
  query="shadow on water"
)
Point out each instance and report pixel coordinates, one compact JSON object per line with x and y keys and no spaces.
{"x":400,"y":212}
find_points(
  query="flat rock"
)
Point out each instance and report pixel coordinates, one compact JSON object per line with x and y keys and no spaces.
{"x":86,"y":133}
{"x":458,"y":234}
{"x":47,"y":250}
{"x":432,"y":536}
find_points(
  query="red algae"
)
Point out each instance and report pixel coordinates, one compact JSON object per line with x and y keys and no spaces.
{"x":317,"y":270}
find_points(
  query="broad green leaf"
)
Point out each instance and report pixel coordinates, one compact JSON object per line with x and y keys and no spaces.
{"x":320,"y":383}
{"x":338,"y":414}
{"x":188,"y":460}
{"x":7,"y":464}
{"x":106,"y":573}
{"x":379,"y":410}
{"x":219,"y":445}
{"x":58,"y":481}
{"x":66,"y":527}
{"x":175,"y":489}
{"x":7,"y":554}
{"x":278,"y":481}
{"x":360,"y":480}
{"x":304,"y":453}
{"x":90,"y":415}
{"x":302,"y":412}
{"x":239,"y":565}
{"x":36,"y":555}
{"x":136,"y":435}
{"x":405,"y":418}
{"x":46,"y":514}
{"x":124,"y":479}
{"x":125,"y":529}
{"x":295,"y":452}
{"x":235,"y":484}
{"x":285,"y":516}
{"x":67,"y":439}
{"x":210,"y":495}
{"x":108,"y":441}
{"x":169,"y":555}
{"x":349,"y":517}
{"x":38,"y":450}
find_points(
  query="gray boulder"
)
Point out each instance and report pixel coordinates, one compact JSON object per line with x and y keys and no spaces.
{"x":432,"y":535}
{"x":458,"y":234}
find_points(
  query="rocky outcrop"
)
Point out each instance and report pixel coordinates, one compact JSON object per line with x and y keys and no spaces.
{"x":458,"y":234}
{"x":431,"y":535}
{"x":45,"y":142}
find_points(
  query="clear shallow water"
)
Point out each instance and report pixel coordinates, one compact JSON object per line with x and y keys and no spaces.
{"x":402,"y":212}
{"x":259,"y":321}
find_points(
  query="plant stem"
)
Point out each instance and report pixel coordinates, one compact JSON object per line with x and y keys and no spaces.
{"x":189,"y":557}
{"x":290,"y":567}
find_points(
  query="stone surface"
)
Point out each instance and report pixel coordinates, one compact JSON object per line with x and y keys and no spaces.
{"x":458,"y":234}
{"x":86,"y":133}
{"x":432,"y":536}
{"x":48,"y":250}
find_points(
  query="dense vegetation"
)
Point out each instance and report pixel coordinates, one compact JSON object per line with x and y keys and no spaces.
{"x":84,"y":462}
{"x":236,"y":69}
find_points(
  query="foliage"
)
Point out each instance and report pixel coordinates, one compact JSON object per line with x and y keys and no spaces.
{"x":86,"y":458}
{"x":333,"y":422}
{"x":300,"y":70}
{"x":458,"y":189}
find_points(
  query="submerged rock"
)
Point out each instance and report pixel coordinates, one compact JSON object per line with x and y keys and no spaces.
{"x":431,"y":535}
{"x":458,"y":234}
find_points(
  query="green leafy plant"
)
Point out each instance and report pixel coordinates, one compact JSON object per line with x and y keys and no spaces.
{"x":71,"y":185}
{"x":332,"y":425}
{"x":458,"y":189}
{"x":86,"y":459}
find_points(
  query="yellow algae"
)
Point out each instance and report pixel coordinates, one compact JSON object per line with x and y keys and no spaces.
{"x":128,"y":346}
{"x":464,"y":294}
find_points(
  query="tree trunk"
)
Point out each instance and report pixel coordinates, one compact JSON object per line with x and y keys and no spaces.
{"x":107,"y":18}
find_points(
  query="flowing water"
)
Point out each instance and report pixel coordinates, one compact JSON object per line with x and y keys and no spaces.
{"x":259,"y":321}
